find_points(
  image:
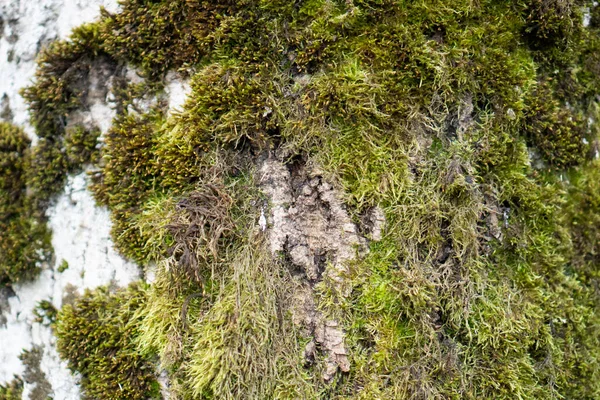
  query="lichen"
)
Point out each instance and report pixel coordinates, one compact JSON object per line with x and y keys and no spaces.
{"x":33,"y":374}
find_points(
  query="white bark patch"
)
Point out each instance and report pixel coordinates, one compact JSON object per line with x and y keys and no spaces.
{"x":81,"y":236}
{"x":308,"y":222}
{"x":587,"y":17}
{"x":177,"y":91}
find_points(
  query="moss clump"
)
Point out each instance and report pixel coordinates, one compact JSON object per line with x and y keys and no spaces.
{"x":95,"y":335}
{"x":552,"y":22}
{"x":561,"y":135}
{"x":46,"y":173}
{"x":12,"y":390}
{"x":45,"y":312}
{"x":144,"y":159}
{"x":247,"y":316}
{"x":164,"y":30}
{"x":61,"y":87}
{"x":233,"y":107}
{"x":30,"y":177}
{"x":218,"y":314}
{"x":24,"y":238}
{"x":123,"y":186}
{"x":61,"y":77}
{"x":81,"y":146}
{"x":63,"y":266}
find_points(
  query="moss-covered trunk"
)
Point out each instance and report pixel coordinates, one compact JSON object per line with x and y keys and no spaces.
{"x":358,"y":199}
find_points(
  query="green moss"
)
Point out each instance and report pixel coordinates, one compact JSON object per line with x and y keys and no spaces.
{"x":221,"y":325}
{"x":95,"y":335}
{"x":484,"y":284}
{"x":63,"y":266}
{"x":45,"y":312}
{"x":12,"y":390}
{"x":61,"y":85}
{"x":146,"y":158}
{"x":81,"y":146}
{"x":46,"y":172}
{"x":229,"y":105}
{"x":24,"y":238}
{"x":552,"y":22}
{"x":157,"y":36}
{"x":247,"y":317}
{"x":129,"y":176}
{"x":558,"y":133}
{"x":31,"y":177}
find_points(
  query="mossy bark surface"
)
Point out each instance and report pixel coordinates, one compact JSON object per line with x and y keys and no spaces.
{"x":358,"y":199}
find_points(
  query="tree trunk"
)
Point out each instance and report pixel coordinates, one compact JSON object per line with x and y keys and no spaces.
{"x":312,"y":199}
